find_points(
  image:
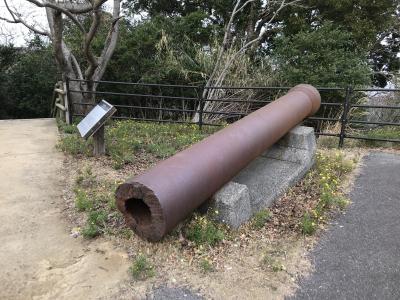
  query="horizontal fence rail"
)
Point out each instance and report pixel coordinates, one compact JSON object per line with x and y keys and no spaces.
{"x":186,"y":104}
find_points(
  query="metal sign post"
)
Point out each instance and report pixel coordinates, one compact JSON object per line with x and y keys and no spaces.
{"x":93,"y":125}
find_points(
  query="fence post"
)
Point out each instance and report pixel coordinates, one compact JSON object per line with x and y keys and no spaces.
{"x":201,"y":106}
{"x":68,"y":103}
{"x":346,"y":108}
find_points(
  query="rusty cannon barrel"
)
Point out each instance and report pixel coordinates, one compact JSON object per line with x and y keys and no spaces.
{"x":154,"y":202}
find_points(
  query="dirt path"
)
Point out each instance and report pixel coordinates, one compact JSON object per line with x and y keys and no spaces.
{"x":38,"y":257}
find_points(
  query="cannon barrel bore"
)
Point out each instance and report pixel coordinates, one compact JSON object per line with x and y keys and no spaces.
{"x":154,"y":202}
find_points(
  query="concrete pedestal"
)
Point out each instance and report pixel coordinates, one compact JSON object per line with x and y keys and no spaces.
{"x":266,"y":178}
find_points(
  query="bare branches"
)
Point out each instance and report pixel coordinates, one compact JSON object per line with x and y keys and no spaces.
{"x":17,"y":19}
{"x":60,"y":9}
{"x":66,"y":61}
{"x":70,"y":7}
{"x":270,"y":14}
{"x":237,"y":9}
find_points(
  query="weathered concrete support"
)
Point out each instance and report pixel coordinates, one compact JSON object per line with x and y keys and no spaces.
{"x":266,"y":178}
{"x":154,"y":202}
{"x":231,"y":205}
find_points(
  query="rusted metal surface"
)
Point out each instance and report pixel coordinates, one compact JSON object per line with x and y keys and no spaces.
{"x":154,"y":202}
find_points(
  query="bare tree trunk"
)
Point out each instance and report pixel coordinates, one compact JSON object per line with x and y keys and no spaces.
{"x":65,"y":59}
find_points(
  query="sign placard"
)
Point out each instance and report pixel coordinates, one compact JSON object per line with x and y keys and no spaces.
{"x":95,"y":119}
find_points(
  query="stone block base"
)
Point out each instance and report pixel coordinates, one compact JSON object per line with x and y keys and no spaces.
{"x":266,"y":178}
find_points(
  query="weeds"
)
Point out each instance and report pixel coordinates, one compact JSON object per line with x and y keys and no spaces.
{"x":125,"y":139}
{"x":308,"y":225}
{"x":204,"y":232}
{"x":141,"y":268}
{"x":82,"y":201}
{"x":96,"y":199}
{"x":386,"y":132}
{"x":75,"y":145}
{"x":90,"y":231}
{"x":329,"y":171}
{"x":85,"y":178}
{"x":126,"y":233}
{"x":65,"y":128}
{"x":260,"y":218}
{"x":206,"y":265}
{"x":95,"y":224}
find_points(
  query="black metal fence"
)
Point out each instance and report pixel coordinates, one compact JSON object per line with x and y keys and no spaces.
{"x":342,"y":108}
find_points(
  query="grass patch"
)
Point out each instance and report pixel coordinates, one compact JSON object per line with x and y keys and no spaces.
{"x":85,"y":177}
{"x":75,"y":145}
{"x":141,"y":268}
{"x":204,"y":232}
{"x":206,"y":265}
{"x":65,"y":128}
{"x":95,"y":224}
{"x":82,"y":201}
{"x":330,"y":169}
{"x":125,"y":139}
{"x":308,"y":226}
{"x":90,"y":231}
{"x":328,"y":142}
{"x":96,"y":199}
{"x":260,"y":218}
{"x":382,"y":133}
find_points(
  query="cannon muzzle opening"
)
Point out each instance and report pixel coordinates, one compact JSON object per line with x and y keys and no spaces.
{"x":139,"y":211}
{"x":142,"y":210}
{"x":154,"y":202}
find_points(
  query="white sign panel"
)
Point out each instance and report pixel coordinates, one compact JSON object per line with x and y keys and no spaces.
{"x":95,"y":119}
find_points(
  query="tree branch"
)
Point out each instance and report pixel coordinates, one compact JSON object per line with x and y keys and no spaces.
{"x":73,"y":8}
{"x":244,"y":5}
{"x":266,"y":18}
{"x":76,"y":66}
{"x":16,"y":19}
{"x":110,"y":43}
{"x":222,"y":48}
{"x":234,"y":56}
{"x":93,"y":63}
{"x":60,"y":9}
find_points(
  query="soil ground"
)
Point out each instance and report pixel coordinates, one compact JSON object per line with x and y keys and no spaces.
{"x":39,"y":259}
